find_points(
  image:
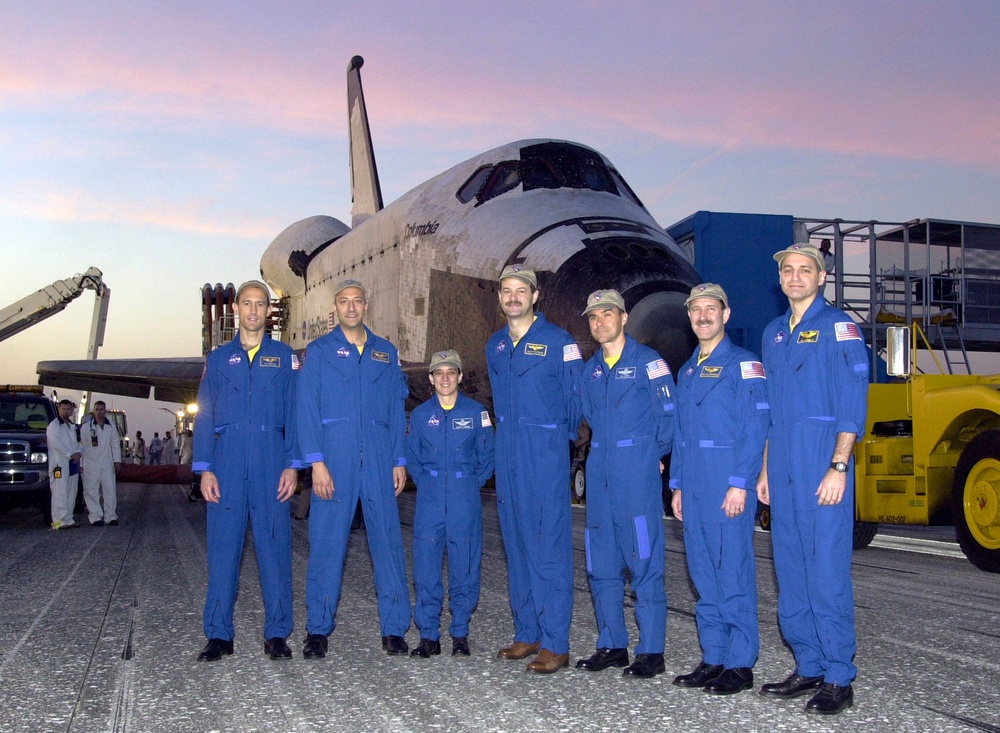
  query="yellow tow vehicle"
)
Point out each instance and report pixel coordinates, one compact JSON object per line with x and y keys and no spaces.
{"x":931,"y":454}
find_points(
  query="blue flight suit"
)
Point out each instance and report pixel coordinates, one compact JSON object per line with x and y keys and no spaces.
{"x":536,"y":398}
{"x":351,"y":417}
{"x":722,"y":418}
{"x":449,"y":454}
{"x":818,"y":385}
{"x":244,"y":433}
{"x":629,"y":408}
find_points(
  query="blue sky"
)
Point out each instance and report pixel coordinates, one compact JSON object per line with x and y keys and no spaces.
{"x":168,"y":143}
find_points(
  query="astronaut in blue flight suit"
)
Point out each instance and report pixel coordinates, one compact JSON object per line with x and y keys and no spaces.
{"x":817,"y":369}
{"x":534,"y":371}
{"x":629,"y":405}
{"x":351,"y":426}
{"x":246,"y":453}
{"x":722,"y":417}
{"x":449,"y":454}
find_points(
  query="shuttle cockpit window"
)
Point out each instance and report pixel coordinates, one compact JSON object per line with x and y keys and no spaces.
{"x":623,"y":188}
{"x":563,"y":165}
{"x":504,"y":178}
{"x":471,"y":188}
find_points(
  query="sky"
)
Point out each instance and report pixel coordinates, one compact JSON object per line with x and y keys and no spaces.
{"x":168,"y":143}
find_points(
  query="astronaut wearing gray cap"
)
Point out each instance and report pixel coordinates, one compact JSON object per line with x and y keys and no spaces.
{"x":628,"y":403}
{"x":534,"y":371}
{"x":449,"y":454}
{"x":351,"y":426}
{"x":722,"y":415}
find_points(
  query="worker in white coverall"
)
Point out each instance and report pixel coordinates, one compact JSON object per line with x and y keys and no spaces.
{"x":102,"y":455}
{"x":64,"y":449}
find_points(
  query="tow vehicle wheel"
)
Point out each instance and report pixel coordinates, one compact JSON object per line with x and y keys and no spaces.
{"x":864,"y":533}
{"x":976,"y":501}
{"x":579,"y":485}
{"x":764,"y":517}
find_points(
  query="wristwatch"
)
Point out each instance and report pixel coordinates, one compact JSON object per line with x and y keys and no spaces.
{"x":839,"y":466}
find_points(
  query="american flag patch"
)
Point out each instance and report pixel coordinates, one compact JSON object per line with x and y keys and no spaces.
{"x":657,"y":369}
{"x":752,"y":370}
{"x":295,"y":362}
{"x":571,"y":352}
{"x":847,"y":331}
{"x":485,"y":419}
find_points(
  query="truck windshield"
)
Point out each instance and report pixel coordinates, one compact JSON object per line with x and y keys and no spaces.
{"x":25,"y":413}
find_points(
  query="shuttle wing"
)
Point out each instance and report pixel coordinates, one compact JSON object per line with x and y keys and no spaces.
{"x":174,"y":380}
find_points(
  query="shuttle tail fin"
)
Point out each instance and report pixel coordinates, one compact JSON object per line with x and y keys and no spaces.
{"x":366,"y":194}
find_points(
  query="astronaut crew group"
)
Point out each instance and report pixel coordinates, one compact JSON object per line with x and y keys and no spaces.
{"x":731,"y":442}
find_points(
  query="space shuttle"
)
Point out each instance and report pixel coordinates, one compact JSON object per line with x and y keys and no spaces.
{"x":431,"y":259}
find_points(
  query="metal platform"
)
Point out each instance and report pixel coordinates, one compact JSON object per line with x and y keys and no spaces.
{"x":943,"y":276}
{"x":100,"y":629}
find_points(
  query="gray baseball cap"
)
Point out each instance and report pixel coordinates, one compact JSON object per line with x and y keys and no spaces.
{"x":444,"y":359}
{"x":349,"y":283}
{"x":708,"y":290}
{"x":604,"y":299}
{"x":802,"y":248}
{"x":521,"y":272}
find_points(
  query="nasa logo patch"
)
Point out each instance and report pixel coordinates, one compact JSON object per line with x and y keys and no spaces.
{"x":235,"y":359}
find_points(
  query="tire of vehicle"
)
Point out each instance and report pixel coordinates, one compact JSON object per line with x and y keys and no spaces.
{"x":579,"y":487}
{"x":764,"y":517}
{"x":864,"y":533}
{"x":976,"y":501}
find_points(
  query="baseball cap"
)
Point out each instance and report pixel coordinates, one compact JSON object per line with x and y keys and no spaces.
{"x":708,"y":290}
{"x":445,"y":358}
{"x":521,"y":272}
{"x":252,"y":284}
{"x":602,"y":300}
{"x":349,"y":283}
{"x":802,"y":248}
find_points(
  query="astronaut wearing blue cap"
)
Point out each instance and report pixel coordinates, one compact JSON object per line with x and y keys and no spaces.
{"x":722,"y":416}
{"x":352,"y":422}
{"x":534,"y":371}
{"x":246,"y":453}
{"x":817,"y":370}
{"x":629,"y":405}
{"x":449,"y":455}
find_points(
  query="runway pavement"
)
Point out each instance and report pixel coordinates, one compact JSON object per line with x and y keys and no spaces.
{"x":100,"y":627}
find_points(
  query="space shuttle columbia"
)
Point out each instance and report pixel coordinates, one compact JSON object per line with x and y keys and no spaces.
{"x":430,"y":261}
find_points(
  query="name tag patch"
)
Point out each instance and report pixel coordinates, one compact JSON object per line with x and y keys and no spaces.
{"x":536,"y":349}
{"x":809,"y":337}
{"x":625,"y":372}
{"x":270,"y":361}
{"x":712,"y":372}
{"x":461,"y":423}
{"x":381,"y":356}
